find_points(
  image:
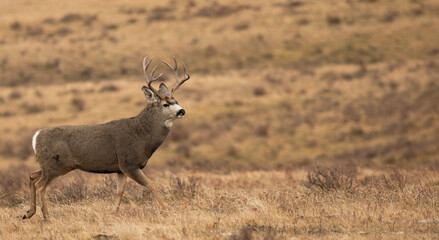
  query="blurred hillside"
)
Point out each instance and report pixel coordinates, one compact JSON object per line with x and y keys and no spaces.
{"x":62,"y":41}
{"x":274,"y":84}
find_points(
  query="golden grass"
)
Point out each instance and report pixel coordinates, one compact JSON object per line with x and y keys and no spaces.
{"x":375,"y":115}
{"x":275,"y":86}
{"x":239,"y":205}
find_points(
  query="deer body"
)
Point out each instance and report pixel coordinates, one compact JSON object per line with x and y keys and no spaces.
{"x":122,"y":146}
{"x":102,"y":148}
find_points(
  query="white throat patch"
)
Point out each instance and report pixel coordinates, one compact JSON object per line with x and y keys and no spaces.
{"x":168,"y":123}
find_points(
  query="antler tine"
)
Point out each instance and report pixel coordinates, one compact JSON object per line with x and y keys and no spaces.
{"x":175,"y":62}
{"x":178,"y":82}
{"x":172,"y":68}
{"x":146,"y":65}
{"x":186,"y":77}
{"x":152,"y":74}
{"x":169,"y":65}
{"x":150,"y":79}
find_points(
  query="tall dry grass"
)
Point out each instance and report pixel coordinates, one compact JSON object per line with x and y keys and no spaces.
{"x":240,"y":205}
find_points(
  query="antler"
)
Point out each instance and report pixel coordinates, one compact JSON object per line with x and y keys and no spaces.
{"x":151,"y":79}
{"x":178,"y":82}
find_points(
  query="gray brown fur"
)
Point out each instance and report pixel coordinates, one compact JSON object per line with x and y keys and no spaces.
{"x":122,"y":146}
{"x":105,"y":148}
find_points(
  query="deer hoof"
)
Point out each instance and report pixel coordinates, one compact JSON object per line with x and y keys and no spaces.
{"x":24,"y":216}
{"x":114,"y":211}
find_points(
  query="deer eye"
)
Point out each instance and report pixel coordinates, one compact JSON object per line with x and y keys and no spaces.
{"x":165,"y":105}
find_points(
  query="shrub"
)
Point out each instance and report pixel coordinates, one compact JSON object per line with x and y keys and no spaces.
{"x":290,"y":4}
{"x":111,"y":26}
{"x":12,"y":181}
{"x":389,"y":16}
{"x":184,"y":189}
{"x":259,"y":91}
{"x":32,"y":108}
{"x":6,"y":114}
{"x":105,"y":237}
{"x":63,"y":31}
{"x":262,"y":130}
{"x":232,"y":151}
{"x":78,"y":104}
{"x":333,"y":20}
{"x":16,"y":26}
{"x":76,"y":190}
{"x":161,"y":14}
{"x":132,"y":20}
{"x":109,"y":88}
{"x":15,"y":95}
{"x":242,"y":26}
{"x":245,"y":233}
{"x":328,"y":179}
{"x":34,"y":30}
{"x":87,"y":72}
{"x":49,"y":20}
{"x":218,"y":10}
{"x":394,"y":179}
{"x":88,"y":20}
{"x":303,"y":21}
{"x":71,"y":17}
{"x":132,"y":10}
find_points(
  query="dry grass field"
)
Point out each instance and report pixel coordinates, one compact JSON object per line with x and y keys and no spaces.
{"x":388,"y":204}
{"x":305,"y":119}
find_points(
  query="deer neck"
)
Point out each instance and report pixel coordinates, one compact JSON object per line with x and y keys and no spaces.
{"x":150,"y":122}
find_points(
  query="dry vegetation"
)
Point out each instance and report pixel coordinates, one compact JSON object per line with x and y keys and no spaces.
{"x":376,"y":115}
{"x":385,"y":204}
{"x":66,"y":42}
{"x":304,"y":118}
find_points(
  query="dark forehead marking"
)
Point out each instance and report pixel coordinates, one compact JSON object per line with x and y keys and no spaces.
{"x":171,"y":100}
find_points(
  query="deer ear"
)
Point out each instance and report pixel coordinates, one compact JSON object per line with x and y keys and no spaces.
{"x":149,"y":95}
{"x":164,"y":90}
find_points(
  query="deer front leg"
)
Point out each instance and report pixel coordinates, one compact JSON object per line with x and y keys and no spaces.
{"x":141,"y":179}
{"x":121,"y":184}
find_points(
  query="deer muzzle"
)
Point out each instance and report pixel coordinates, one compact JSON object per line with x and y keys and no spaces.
{"x":181,"y":113}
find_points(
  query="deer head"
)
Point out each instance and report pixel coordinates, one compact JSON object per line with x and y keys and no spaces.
{"x":162,"y":98}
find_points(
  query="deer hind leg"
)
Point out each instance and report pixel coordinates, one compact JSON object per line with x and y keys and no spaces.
{"x":141,"y":179}
{"x":34,"y":177}
{"x":41,"y":187}
{"x":121,"y":184}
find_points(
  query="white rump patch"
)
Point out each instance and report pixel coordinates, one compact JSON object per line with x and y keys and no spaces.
{"x":34,"y":141}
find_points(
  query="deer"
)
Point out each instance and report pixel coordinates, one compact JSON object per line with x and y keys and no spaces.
{"x":122,"y":146}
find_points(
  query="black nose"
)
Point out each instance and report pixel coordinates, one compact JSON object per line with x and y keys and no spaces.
{"x":181,"y":112}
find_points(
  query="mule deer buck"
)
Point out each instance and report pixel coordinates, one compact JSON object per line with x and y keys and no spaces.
{"x":122,"y":146}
